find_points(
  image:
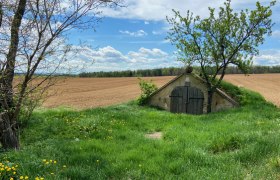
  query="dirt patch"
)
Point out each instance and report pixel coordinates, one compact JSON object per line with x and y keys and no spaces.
{"x":156,"y":135}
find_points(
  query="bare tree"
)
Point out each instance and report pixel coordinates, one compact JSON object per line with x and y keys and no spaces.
{"x":33,"y":39}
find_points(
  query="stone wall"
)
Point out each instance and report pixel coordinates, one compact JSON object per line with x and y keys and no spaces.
{"x":219,"y":103}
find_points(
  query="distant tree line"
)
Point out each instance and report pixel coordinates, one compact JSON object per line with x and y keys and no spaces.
{"x":256,"y":70}
{"x":174,"y":71}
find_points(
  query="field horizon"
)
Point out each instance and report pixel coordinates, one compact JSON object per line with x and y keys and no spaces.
{"x":84,"y":93}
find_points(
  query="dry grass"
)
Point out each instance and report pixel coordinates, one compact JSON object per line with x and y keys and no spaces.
{"x":81,"y":93}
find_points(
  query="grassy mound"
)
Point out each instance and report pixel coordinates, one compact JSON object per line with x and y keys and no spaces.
{"x":107,"y":143}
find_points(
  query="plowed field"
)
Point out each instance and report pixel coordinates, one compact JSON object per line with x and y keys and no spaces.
{"x":266,"y":84}
{"x":84,"y":93}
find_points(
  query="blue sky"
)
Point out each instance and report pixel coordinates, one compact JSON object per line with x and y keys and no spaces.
{"x":133,"y":37}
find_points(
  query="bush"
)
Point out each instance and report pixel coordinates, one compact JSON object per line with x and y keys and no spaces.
{"x":147,"y":88}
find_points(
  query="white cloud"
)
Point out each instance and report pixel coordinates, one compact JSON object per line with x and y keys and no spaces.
{"x":276,"y":34}
{"x":149,"y":56}
{"x":152,"y":52}
{"x":159,"y":9}
{"x":146,"y":42}
{"x":166,"y":41}
{"x":146,"y":22}
{"x":154,"y":10}
{"x":157,"y":32}
{"x":268,"y":57}
{"x":110,"y":59}
{"x":139,"y":33}
{"x":103,"y":55}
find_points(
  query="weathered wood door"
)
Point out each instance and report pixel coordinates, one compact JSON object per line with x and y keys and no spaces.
{"x":186,"y":99}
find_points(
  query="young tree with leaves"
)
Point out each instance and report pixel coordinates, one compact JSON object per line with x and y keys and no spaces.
{"x":33,"y":39}
{"x":224,"y":38}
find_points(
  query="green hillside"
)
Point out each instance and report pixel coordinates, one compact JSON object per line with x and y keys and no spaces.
{"x":110,"y":143}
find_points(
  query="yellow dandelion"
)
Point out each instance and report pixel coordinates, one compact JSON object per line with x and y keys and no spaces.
{"x":11,"y":178}
{"x":54,"y":162}
{"x":41,"y":178}
{"x":37,"y":178}
{"x":52,"y":173}
{"x":21,"y":177}
{"x":51,"y":161}
{"x":64,"y":166}
{"x":26,"y":177}
{"x":47,"y":162}
{"x":14,"y":172}
{"x":44,"y":160}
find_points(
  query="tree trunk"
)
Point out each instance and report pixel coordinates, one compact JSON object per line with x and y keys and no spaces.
{"x":8,"y":135}
{"x":8,"y":118}
{"x":209,"y":102}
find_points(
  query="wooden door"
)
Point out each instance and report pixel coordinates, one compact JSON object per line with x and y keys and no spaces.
{"x":186,"y":99}
{"x":176,"y":102}
{"x":195,"y":101}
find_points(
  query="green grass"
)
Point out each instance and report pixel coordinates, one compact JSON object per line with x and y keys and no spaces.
{"x":110,"y":143}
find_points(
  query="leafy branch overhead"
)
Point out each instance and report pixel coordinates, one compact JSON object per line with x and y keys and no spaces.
{"x":224,"y":38}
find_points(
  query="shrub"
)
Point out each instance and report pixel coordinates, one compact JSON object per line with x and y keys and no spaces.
{"x":147,"y":88}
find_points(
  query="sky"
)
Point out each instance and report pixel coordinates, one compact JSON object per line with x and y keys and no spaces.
{"x":134,"y":36}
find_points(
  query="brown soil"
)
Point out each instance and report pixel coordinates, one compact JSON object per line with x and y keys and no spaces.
{"x":266,"y":84}
{"x":81,"y":93}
